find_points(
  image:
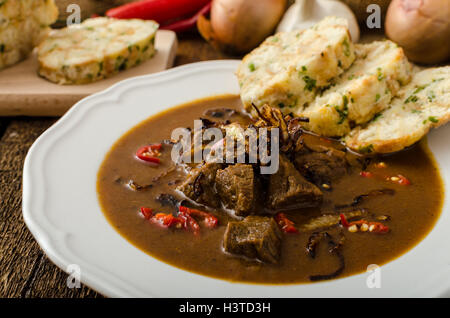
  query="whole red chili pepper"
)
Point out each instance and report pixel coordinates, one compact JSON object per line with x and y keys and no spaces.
{"x":158,"y":10}
{"x":186,"y":24}
{"x":286,"y":225}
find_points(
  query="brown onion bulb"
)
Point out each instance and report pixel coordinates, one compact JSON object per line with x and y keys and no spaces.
{"x":421,"y":28}
{"x":238,"y":26}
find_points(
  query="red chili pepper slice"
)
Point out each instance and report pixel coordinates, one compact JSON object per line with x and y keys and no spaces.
{"x":210,"y":220}
{"x":149,"y":153}
{"x":403,"y":180}
{"x":378,"y":227}
{"x":189,"y":23}
{"x":286,"y":225}
{"x":146,"y":212}
{"x":374,"y":227}
{"x":162,"y":219}
{"x":399,"y":179}
{"x":183,"y":220}
{"x":344,"y":221}
{"x":167,"y":220}
{"x":190,"y":222}
{"x":366,"y":174}
{"x":159,"y":10}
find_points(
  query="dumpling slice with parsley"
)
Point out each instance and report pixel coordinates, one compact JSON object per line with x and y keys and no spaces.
{"x":362,"y":92}
{"x":95,"y":49}
{"x":419,"y":106}
{"x":288,"y":69}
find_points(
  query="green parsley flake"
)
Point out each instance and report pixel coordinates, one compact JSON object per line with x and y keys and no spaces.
{"x":412,"y":98}
{"x":343,"y":113}
{"x":419,"y":88}
{"x":345,"y":100}
{"x":433,"y":119}
{"x":346,"y":47}
{"x":310,"y":83}
{"x":380,"y":75}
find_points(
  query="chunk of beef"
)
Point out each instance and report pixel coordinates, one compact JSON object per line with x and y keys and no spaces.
{"x":255,"y":237}
{"x":237,"y":188}
{"x":289,"y":189}
{"x":322,"y":167}
{"x":200,"y":185}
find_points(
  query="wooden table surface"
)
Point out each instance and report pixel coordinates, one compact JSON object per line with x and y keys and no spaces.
{"x":25,"y":271}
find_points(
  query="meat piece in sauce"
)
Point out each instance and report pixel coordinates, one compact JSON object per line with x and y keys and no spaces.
{"x":237,"y":187}
{"x":322,"y":167}
{"x":289,"y":189}
{"x":199,"y":185}
{"x":256,"y":237}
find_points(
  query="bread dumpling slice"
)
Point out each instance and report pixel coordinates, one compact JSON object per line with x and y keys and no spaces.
{"x":23,"y":24}
{"x":95,"y":49}
{"x":288,"y":69}
{"x":364,"y":90}
{"x":419,"y":106}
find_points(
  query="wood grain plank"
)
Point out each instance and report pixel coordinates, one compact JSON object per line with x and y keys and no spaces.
{"x":24,"y":270}
{"x":50,"y":282}
{"x":192,"y":48}
{"x":18,"y":249}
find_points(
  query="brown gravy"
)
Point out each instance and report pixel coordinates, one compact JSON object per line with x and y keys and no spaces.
{"x":413,"y":209}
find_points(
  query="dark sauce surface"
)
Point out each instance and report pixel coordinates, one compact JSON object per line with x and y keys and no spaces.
{"x":413,"y":210}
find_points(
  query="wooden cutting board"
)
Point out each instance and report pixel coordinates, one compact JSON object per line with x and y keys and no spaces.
{"x":23,"y":92}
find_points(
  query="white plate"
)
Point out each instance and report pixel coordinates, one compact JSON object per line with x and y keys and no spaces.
{"x":61,"y":209}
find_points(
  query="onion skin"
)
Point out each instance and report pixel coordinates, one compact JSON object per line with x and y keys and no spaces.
{"x":238,"y":26}
{"x":421,"y":28}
